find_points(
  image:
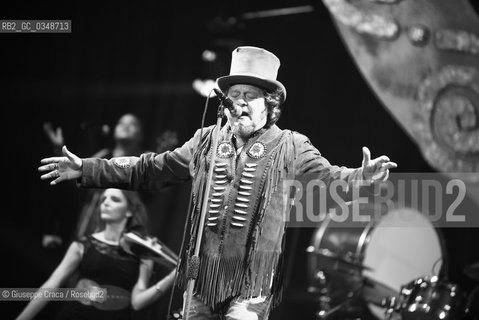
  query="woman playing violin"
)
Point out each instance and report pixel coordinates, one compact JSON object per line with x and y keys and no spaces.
{"x":116,"y":280}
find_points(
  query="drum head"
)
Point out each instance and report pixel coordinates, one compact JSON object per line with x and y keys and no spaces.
{"x":403,"y":246}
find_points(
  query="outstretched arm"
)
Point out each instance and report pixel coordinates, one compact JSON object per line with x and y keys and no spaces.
{"x":310,"y":162}
{"x":69,"y":264}
{"x":150,"y":171}
{"x":142,"y":295}
{"x":61,"y":169}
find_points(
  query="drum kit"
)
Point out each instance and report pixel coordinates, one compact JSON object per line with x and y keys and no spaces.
{"x":391,"y":268}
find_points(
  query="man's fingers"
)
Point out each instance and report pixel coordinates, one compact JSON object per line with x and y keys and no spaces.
{"x":57,"y":180}
{"x":48,"y":167}
{"x":51,"y":175}
{"x":51,"y":160}
{"x":381,"y":167}
{"x":390,"y":165}
{"x":386,"y":175}
{"x":366,"y":156}
{"x":381,"y":160}
{"x":68,"y":154}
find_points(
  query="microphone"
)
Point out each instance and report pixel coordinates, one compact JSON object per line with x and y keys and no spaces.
{"x":227,"y":102}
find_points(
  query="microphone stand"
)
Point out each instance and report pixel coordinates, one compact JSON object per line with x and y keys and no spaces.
{"x":194,"y":263}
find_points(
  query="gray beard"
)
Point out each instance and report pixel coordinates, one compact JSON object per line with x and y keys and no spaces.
{"x":243,"y":132}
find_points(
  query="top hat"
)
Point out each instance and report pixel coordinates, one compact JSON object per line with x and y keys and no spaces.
{"x":255,"y":66}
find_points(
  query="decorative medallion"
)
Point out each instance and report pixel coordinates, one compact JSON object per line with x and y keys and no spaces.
{"x":257,"y":150}
{"x":225,"y":150}
{"x":447,"y":120}
{"x":418,"y":35}
{"x":122,"y":162}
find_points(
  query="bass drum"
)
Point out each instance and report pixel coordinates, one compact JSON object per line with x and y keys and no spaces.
{"x":373,"y":260}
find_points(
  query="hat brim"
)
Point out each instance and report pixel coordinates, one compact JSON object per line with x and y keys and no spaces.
{"x":269,"y":85}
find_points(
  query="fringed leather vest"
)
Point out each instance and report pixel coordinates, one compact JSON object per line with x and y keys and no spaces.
{"x":241,"y":250}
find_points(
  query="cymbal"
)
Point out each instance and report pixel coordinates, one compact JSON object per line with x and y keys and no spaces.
{"x":336,"y":258}
{"x":472,"y":271}
{"x":149,"y":248}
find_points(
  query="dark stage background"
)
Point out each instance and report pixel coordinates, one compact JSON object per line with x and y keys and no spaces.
{"x":142,"y":58}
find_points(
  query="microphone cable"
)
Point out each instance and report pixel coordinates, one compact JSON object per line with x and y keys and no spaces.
{"x":188,"y":216}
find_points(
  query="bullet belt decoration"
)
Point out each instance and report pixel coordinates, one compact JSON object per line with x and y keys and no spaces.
{"x":226,"y":150}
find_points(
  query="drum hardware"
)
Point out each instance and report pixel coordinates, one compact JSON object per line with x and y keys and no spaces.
{"x":427,"y":298}
{"x":322,"y":292}
{"x":337,"y":261}
{"x":325,"y":297}
{"x":373,"y":288}
{"x":325,"y":309}
{"x":363,"y":268}
{"x":325,"y":313}
{"x":430,"y":298}
{"x":391,"y":307}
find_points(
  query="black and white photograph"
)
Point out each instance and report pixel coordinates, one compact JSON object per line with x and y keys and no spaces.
{"x":225,"y":160}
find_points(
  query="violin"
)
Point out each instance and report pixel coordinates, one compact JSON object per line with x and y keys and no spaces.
{"x":147,"y":247}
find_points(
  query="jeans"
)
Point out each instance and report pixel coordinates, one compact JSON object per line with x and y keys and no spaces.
{"x":237,"y":309}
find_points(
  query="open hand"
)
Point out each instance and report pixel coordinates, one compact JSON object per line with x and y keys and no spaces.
{"x":61,"y":169}
{"x":376,"y":169}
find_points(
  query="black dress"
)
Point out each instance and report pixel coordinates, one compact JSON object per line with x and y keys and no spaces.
{"x":106,"y":265}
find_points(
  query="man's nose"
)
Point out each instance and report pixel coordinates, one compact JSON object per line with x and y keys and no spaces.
{"x":241,"y":101}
